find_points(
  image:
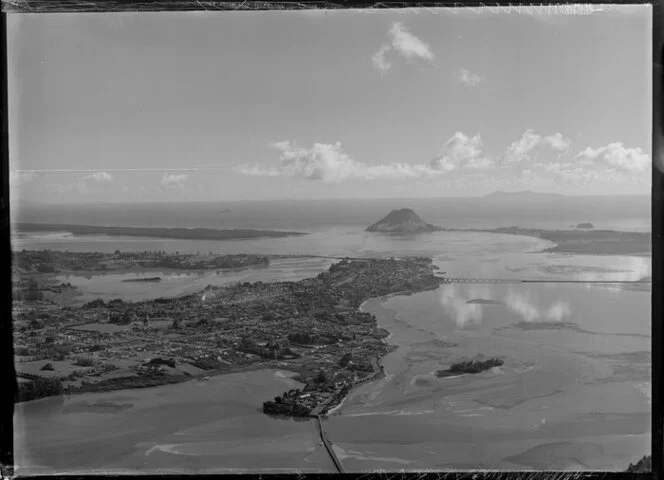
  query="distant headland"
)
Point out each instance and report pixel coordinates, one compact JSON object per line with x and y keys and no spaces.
{"x":585,"y":226}
{"x":155,"y":232}
{"x":402,"y":221}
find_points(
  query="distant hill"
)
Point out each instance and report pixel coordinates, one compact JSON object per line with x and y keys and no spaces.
{"x":585,"y":226}
{"x":523,"y":195}
{"x":402,"y":221}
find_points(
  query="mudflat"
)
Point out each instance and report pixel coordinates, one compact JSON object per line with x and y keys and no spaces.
{"x":197,"y":426}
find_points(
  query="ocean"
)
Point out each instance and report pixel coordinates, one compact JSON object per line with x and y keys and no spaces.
{"x":605,"y":212}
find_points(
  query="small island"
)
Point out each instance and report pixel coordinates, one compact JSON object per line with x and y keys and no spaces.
{"x":469,"y":366}
{"x":404,"y":220}
{"x":585,"y":226}
{"x":145,"y":279}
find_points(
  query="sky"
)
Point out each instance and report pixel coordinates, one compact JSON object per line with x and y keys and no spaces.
{"x":331,"y":104}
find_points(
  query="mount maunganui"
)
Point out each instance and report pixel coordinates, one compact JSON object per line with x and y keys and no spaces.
{"x":402,"y":221}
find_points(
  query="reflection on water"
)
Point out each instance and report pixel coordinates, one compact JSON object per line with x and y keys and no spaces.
{"x":481,"y":306}
{"x":455,"y":303}
{"x":466,"y":304}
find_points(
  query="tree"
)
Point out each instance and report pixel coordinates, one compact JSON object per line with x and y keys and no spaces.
{"x":321,"y":377}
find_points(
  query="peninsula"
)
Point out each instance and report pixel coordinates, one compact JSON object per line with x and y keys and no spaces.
{"x":312,"y":327}
{"x":582,"y":240}
{"x":55,"y":261}
{"x":403,"y":221}
{"x":155,"y":232}
{"x":590,"y":242}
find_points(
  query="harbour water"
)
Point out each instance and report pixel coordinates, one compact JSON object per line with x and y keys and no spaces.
{"x":573,"y":392}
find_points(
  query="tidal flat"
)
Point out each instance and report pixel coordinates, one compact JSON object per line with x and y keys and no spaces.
{"x":562,"y":400}
{"x":201,"y":426}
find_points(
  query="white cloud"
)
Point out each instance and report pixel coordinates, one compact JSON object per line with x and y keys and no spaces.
{"x":403,"y":42}
{"x":173,"y":179}
{"x":520,"y":150}
{"x":557,"y":142}
{"x":379,"y":61}
{"x":330,"y":164}
{"x":99,"y":177}
{"x":632,"y":160}
{"x":469,"y":78}
{"x":461,"y":151}
{"x":571,"y":173}
{"x":408,"y":44}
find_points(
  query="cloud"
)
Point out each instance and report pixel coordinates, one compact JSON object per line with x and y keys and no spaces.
{"x":408,"y":44}
{"x":403,"y":42}
{"x":461,"y":151}
{"x":557,"y":142}
{"x":379,"y":61}
{"x":469,"y":78}
{"x":173,"y":179}
{"x":571,"y":173}
{"x":330,"y":164}
{"x":520,"y":150}
{"x":99,"y":177}
{"x":632,"y":160}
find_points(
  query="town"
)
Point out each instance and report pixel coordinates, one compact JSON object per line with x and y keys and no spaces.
{"x":313,"y":327}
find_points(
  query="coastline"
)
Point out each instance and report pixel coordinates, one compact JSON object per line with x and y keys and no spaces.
{"x":334,"y":411}
{"x":179,"y":233}
{"x":581,"y":242}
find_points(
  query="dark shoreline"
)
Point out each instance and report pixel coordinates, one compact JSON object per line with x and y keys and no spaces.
{"x":155,"y":232}
{"x":581,"y":242}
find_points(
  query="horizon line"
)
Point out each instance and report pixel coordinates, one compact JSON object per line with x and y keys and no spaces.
{"x":286,"y":199}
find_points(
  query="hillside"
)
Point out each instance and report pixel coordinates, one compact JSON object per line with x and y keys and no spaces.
{"x":402,"y":221}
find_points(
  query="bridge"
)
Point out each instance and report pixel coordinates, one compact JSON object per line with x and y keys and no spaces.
{"x":328,"y":445}
{"x":478,"y":280}
{"x":536,"y":280}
